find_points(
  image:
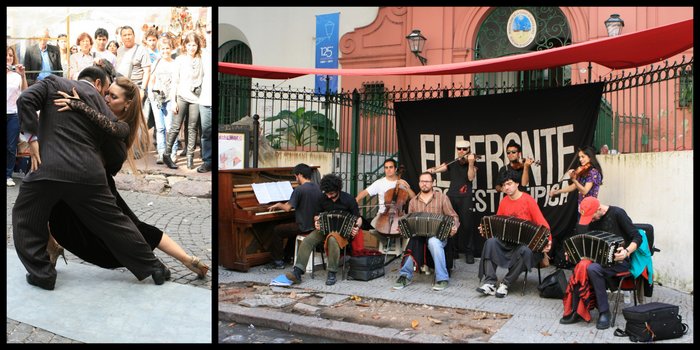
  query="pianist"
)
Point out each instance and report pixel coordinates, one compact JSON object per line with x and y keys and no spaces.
{"x":304,"y":201}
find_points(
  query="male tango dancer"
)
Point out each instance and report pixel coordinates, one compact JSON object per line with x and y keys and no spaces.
{"x":69,"y":168}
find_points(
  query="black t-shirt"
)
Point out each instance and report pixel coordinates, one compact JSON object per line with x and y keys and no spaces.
{"x":519,"y":173}
{"x":304,"y":200}
{"x":345,"y":202}
{"x":459,"y":186}
{"x":616,"y":221}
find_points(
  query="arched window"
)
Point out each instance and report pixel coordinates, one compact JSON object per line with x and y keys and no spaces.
{"x":516,"y":30}
{"x":234,"y":91}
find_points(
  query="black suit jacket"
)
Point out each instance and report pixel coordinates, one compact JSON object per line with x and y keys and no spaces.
{"x":69,"y":142}
{"x":32,"y":61}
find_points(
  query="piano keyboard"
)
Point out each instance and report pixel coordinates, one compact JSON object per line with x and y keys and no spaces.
{"x":271,"y":212}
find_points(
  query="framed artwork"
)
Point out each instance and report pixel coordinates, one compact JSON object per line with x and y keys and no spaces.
{"x":233,"y":148}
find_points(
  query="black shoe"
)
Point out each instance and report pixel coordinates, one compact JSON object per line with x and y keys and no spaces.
{"x":204,"y":168}
{"x":330,"y":280}
{"x":571,"y":319}
{"x":44,"y":284}
{"x":169,"y":162}
{"x":161,"y":274}
{"x":470,"y":258}
{"x":277,"y":264}
{"x":603,"y":321}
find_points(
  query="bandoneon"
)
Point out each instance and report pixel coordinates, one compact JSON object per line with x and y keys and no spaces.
{"x":338,"y":221}
{"x":597,"y":246}
{"x":512,"y":230}
{"x":426,"y":225}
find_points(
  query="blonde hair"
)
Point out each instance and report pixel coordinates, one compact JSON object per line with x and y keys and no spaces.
{"x":133,"y":116}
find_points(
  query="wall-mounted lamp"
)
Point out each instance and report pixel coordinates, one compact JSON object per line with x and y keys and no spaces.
{"x":614,"y":25}
{"x":416,"y":42}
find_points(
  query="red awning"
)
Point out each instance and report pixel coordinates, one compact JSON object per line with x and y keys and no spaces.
{"x":623,"y":51}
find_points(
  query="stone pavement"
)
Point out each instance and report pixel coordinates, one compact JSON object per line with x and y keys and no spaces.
{"x":182,"y":210}
{"x":534,"y":319}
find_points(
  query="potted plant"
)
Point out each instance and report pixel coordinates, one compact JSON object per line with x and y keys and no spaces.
{"x":300,"y":128}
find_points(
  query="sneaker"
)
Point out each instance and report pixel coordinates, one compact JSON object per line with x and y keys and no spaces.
{"x":440,"y":285}
{"x":502,"y":291}
{"x":487,"y":289}
{"x":281,"y":281}
{"x":402,"y":282}
{"x":160,"y":159}
{"x":295,"y":275}
{"x":425,"y":269}
{"x":10,"y":182}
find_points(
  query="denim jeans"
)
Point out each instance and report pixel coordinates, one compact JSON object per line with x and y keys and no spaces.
{"x":437,"y":250}
{"x":205,"y":118}
{"x":163,"y":120}
{"x":12,"y":138}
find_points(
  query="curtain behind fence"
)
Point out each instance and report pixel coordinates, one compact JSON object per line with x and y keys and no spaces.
{"x":549,"y":124}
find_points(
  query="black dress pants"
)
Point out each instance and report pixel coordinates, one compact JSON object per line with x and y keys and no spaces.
{"x":95,"y":206}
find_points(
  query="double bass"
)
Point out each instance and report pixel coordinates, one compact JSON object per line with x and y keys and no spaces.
{"x":394,"y":201}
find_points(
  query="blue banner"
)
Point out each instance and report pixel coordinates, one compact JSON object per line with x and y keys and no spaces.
{"x":327,"y":51}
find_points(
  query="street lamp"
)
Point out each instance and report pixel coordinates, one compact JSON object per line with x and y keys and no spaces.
{"x":614,"y":25}
{"x":416,"y":42}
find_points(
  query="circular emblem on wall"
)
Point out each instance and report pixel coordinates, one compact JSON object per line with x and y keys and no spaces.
{"x":522,"y":28}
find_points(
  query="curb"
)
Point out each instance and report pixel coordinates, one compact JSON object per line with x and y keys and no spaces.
{"x":320,"y":327}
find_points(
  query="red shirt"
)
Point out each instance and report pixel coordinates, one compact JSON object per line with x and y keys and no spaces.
{"x":524,"y":208}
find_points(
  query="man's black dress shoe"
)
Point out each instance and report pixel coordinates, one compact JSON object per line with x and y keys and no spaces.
{"x":330,"y":280}
{"x":48,"y":285}
{"x":603,"y":321}
{"x":571,"y":319}
{"x":169,"y":162}
{"x":204,"y":168}
{"x":161,"y":274}
{"x":470,"y":258}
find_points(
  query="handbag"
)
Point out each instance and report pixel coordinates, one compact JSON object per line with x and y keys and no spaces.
{"x":651,"y":322}
{"x":554,"y":285}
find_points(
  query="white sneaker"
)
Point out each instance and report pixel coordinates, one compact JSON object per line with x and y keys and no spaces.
{"x":425,"y":269}
{"x":487,"y":289}
{"x":10,"y":182}
{"x":502,"y":291}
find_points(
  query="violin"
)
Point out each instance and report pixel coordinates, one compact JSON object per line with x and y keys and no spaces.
{"x":394,"y":201}
{"x":520,"y":163}
{"x":582,"y":170}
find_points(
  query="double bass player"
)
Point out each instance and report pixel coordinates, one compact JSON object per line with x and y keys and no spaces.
{"x":390,"y":181}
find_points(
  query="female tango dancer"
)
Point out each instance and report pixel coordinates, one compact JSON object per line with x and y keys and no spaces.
{"x":125,"y":102}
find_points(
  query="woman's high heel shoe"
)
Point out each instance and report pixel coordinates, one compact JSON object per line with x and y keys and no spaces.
{"x":198,"y":267}
{"x":55,"y":250}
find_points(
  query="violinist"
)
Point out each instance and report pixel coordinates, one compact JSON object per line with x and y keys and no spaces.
{"x":586,"y":178}
{"x":390,"y":181}
{"x":462,"y":173}
{"x":520,"y":166}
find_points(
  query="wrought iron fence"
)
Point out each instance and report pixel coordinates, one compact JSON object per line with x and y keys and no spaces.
{"x":647,"y":110}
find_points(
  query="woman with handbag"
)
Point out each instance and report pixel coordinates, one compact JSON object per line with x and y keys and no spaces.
{"x":125,"y":102}
{"x":187,"y":86}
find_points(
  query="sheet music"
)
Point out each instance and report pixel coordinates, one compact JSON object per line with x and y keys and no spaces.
{"x":267,"y":192}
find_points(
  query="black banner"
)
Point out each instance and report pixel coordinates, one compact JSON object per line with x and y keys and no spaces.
{"x":549,"y":124}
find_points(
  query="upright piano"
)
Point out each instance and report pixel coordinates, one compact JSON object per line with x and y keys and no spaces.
{"x":245,"y":225}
